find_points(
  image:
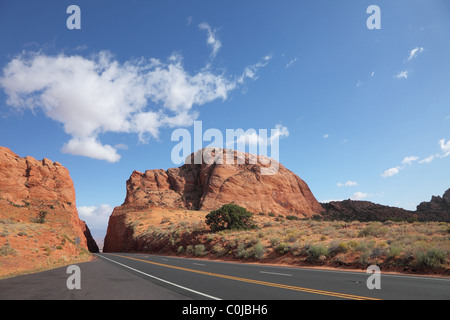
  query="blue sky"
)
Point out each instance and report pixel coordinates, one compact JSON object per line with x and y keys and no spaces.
{"x":365,"y":113}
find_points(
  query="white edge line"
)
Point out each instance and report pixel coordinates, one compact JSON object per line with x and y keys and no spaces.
{"x":162,"y":280}
{"x":276,"y":273}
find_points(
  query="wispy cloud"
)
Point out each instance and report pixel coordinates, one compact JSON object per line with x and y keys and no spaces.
{"x":251,"y":71}
{"x":291,"y":62}
{"x":347,"y":184}
{"x":390,"y":172}
{"x":408,"y":161}
{"x":251,"y":137}
{"x":445,"y":147}
{"x":359,"y":195}
{"x":415,"y":52}
{"x":212,"y":39}
{"x":402,"y":75}
{"x":427,"y":159}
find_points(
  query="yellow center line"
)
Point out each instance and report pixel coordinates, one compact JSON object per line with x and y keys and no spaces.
{"x":270,"y":284}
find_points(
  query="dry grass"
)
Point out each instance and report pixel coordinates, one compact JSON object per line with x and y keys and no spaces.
{"x":399,"y":246}
{"x":30,"y":244}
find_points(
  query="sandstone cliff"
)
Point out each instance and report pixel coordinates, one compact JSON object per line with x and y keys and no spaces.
{"x":210,"y":184}
{"x":32,"y":190}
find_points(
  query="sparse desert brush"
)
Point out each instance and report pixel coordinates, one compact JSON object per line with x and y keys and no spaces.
{"x":316,"y":252}
{"x":432,"y":258}
{"x":396,"y":244}
{"x":199,"y":250}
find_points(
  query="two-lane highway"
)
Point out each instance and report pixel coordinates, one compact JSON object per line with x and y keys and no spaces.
{"x":206,"y":279}
{"x":143,"y":276}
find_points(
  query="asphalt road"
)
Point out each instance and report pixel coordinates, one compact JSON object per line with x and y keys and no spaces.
{"x":127,"y":276}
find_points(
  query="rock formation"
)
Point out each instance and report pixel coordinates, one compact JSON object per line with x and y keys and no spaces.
{"x":438,"y":206}
{"x":210,"y":183}
{"x":34,"y":187}
{"x":438,"y":209}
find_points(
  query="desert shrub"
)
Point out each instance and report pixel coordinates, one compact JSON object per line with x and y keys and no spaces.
{"x":377,"y":252}
{"x":190,"y":249}
{"x":199,"y":250}
{"x":256,"y":251}
{"x":373,"y":229}
{"x":41,"y":217}
{"x":432,"y":258}
{"x":282,"y":248}
{"x":230,"y":217}
{"x":219,"y":251}
{"x":337,"y":248}
{"x":7,"y":250}
{"x":315,"y":252}
{"x":274,"y":241}
{"x":290,"y":217}
{"x":180,"y":250}
{"x":394,"y":251}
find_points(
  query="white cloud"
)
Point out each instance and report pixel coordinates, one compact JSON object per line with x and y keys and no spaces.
{"x":359,"y":196}
{"x":94,"y":95}
{"x":415,"y":52}
{"x":409,"y":160}
{"x":390,"y":172}
{"x":250,"y":71}
{"x":250,"y":137}
{"x":212,"y":40}
{"x":445,"y":147}
{"x":325,"y":136}
{"x":427,"y":159}
{"x":402,"y":75}
{"x":291,"y":63}
{"x":347,"y":184}
{"x":372,"y":74}
{"x":96,"y":217}
{"x":359,"y":83}
{"x":90,"y":147}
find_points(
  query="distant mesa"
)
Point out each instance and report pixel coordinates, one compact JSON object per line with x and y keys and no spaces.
{"x":438,"y":209}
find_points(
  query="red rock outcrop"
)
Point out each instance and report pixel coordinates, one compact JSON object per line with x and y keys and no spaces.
{"x":40,"y":186}
{"x":208,"y":184}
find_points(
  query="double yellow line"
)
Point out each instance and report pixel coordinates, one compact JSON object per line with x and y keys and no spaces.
{"x":264,"y":283}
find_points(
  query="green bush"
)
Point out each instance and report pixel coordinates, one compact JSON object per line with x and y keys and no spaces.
{"x":255,"y":252}
{"x":41,"y":217}
{"x":229,"y":217}
{"x":199,"y":250}
{"x":282,"y":248}
{"x":316,"y":251}
{"x":432,"y":258}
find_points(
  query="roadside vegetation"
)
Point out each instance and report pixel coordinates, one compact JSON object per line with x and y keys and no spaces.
{"x":421,"y":247}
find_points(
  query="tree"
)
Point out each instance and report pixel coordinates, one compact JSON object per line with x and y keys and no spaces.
{"x":230,"y":217}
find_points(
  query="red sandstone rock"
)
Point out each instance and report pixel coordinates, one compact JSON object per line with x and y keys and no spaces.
{"x":209,"y":186}
{"x":41,"y":186}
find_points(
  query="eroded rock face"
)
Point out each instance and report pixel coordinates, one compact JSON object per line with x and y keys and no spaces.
{"x":437,"y":205}
{"x":209,"y":185}
{"x":40,"y":186}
